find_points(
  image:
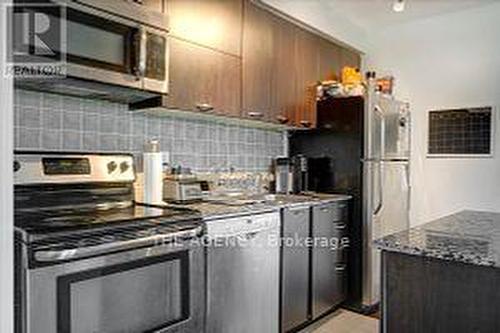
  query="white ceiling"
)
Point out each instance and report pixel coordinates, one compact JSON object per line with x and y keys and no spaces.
{"x":369,"y":14}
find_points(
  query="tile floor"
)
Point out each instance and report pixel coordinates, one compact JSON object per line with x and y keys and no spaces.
{"x":344,"y":321}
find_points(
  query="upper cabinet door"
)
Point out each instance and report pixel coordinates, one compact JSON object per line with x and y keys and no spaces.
{"x":349,"y":58}
{"x":257,"y":62}
{"x":269,"y":74}
{"x":204,"y":80}
{"x":154,"y":5}
{"x":329,"y":60}
{"x":212,"y":23}
{"x":307,"y":67}
{"x":284,"y":79}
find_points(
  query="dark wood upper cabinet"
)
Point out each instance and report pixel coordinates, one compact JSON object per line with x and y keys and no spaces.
{"x":257,"y":63}
{"x":268,"y":67}
{"x":284,"y":79}
{"x":329,"y":60}
{"x":154,"y":5}
{"x":281,"y":65}
{"x":213,"y":23}
{"x":204,"y":80}
{"x":349,"y":58}
{"x":244,"y":60}
{"x":307,"y":68}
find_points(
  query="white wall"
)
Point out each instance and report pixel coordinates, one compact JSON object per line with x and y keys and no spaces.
{"x":6,"y":213}
{"x":441,"y":62}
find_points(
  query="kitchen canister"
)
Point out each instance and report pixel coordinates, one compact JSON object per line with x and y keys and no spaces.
{"x":153,"y":173}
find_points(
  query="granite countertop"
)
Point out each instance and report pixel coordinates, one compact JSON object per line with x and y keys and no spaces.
{"x":471,"y":237}
{"x":261,"y":204}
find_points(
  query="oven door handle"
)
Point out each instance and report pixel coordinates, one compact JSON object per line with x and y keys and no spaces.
{"x":91,"y":251}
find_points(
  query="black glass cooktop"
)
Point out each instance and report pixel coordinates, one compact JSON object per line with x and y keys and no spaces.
{"x":54,"y":220}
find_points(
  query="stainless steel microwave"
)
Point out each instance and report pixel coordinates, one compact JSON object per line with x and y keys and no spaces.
{"x":114,"y":50}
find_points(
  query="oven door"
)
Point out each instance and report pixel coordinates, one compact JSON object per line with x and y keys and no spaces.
{"x":158,"y":289}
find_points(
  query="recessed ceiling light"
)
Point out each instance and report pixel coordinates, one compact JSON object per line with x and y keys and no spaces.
{"x":398,"y":6}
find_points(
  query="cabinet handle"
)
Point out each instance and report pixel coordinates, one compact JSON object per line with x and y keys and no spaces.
{"x":340,"y":268}
{"x":255,"y":114}
{"x":340,"y":226}
{"x":305,"y":123}
{"x":204,"y":107}
{"x":282,"y":119}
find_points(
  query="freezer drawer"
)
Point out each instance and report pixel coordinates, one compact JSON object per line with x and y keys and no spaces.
{"x":329,"y":265}
{"x":295,"y":269}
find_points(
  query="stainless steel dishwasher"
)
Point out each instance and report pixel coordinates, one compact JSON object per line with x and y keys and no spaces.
{"x":243,"y":274}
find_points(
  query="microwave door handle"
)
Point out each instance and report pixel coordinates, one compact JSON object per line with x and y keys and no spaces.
{"x":141,"y":65}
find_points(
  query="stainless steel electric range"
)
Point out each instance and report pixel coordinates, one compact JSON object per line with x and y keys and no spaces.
{"x":88,"y":259}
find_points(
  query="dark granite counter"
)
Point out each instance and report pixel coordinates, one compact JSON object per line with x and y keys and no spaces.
{"x":470,"y":237}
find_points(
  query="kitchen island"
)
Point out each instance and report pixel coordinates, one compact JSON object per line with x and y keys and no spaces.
{"x":443,"y":276}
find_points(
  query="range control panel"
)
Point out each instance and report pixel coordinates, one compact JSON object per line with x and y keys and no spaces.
{"x":72,"y":168}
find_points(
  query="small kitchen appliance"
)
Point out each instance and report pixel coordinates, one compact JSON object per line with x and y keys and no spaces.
{"x":88,"y":259}
{"x":282,"y":175}
{"x":182,"y":188}
{"x":116,"y":50}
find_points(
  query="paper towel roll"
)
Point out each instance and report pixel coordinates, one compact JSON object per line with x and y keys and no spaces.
{"x":153,"y":178}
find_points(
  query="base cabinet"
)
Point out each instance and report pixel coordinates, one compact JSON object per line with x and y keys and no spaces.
{"x":328,"y":264}
{"x":421,"y":295}
{"x":314,"y":275}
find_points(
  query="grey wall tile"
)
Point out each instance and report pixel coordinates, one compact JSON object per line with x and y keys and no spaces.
{"x":107,"y":124}
{"x":51,"y":119}
{"x":51,"y":139}
{"x":53,"y":122}
{"x":72,"y":121}
{"x":90,"y":122}
{"x":29,"y":138}
{"x":29,"y":117}
{"x":108,"y":142}
{"x":72,"y":140}
{"x":90,"y":141}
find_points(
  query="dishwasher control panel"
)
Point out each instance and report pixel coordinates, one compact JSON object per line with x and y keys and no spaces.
{"x":242,"y":224}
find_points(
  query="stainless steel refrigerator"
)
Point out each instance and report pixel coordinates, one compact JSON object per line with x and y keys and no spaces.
{"x":362,"y":148}
{"x":386,"y":180}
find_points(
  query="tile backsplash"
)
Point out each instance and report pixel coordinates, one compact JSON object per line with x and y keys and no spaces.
{"x":52,"y":122}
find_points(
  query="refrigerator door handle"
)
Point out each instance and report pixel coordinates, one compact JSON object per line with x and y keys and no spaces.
{"x":382,"y":153}
{"x":382,"y":131}
{"x":380,"y":191}
{"x":407,"y":171}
